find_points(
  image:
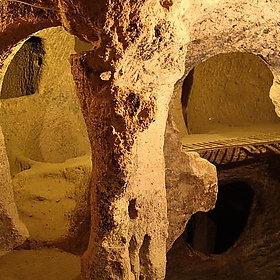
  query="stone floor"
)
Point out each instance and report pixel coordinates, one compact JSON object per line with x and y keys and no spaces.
{"x":46,"y":264}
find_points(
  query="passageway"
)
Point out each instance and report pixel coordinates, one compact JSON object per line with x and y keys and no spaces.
{"x":216,"y":231}
{"x":49,"y":154}
{"x":223,"y":111}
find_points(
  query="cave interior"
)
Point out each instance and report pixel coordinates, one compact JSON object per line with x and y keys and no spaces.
{"x":139,"y":141}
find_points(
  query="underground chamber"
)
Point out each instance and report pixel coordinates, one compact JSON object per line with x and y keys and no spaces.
{"x":223,"y":112}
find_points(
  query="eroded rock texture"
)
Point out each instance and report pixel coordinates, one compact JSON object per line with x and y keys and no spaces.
{"x":256,"y":252}
{"x":13,"y":232}
{"x":191,"y":184}
{"x":129,"y":222}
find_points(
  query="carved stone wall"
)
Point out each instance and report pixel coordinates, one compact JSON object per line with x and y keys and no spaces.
{"x":140,"y":50}
{"x":46,"y":140}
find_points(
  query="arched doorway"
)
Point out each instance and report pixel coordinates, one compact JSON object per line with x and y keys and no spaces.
{"x":225,"y":101}
{"x":48,"y":149}
{"x":215,"y":231}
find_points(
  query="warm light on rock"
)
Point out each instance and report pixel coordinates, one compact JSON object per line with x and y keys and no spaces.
{"x":121,"y":119}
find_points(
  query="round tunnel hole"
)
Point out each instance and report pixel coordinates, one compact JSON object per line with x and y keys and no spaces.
{"x":216,"y":231}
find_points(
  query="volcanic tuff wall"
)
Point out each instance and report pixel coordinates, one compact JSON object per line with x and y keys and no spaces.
{"x":140,"y":49}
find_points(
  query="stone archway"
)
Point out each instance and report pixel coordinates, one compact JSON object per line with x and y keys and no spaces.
{"x":228,"y":91}
{"x":225,"y":102}
{"x":48,"y":149}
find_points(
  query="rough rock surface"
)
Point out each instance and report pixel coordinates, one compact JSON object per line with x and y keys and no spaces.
{"x":13,"y":231}
{"x":191,"y":184}
{"x":255,"y":255}
{"x":126,"y":119}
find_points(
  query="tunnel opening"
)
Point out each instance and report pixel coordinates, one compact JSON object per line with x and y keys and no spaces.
{"x":49,"y":153}
{"x":23,"y":74}
{"x":217,"y":230}
{"x":47,"y":126}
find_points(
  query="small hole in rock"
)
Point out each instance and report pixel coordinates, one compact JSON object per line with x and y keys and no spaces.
{"x":144,"y":114}
{"x":166,"y":3}
{"x":132,"y":211}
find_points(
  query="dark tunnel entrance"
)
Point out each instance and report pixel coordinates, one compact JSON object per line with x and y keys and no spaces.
{"x":23,"y":74}
{"x":216,"y":231}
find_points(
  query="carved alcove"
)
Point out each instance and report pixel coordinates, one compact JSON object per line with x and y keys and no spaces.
{"x":49,"y":152}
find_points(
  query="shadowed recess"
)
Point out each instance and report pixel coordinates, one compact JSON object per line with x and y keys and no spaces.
{"x":23,"y":74}
{"x":216,"y":231}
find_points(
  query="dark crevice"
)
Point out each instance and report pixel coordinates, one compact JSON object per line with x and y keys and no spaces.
{"x":23,"y":74}
{"x":186,"y":91}
{"x":216,"y":231}
{"x":132,"y":211}
{"x":133,"y":256}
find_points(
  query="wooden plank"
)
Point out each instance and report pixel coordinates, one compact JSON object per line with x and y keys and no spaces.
{"x":258,"y":139}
